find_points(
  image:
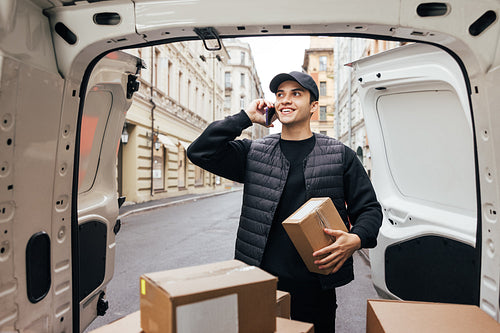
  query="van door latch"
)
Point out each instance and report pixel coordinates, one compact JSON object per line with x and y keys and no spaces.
{"x":132,"y":85}
{"x":102,"y":305}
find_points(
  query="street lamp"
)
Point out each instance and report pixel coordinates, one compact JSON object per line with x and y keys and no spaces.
{"x":204,"y":59}
{"x":124,"y":136}
{"x":155,"y":140}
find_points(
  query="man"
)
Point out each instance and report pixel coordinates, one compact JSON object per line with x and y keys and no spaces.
{"x":280,"y":173}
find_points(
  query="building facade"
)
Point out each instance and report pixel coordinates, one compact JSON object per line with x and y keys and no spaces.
{"x":181,"y":91}
{"x":349,"y":124}
{"x":319,"y":63}
{"x":241,"y":83}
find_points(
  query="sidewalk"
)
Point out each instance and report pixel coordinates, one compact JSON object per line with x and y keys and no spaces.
{"x":126,"y":210}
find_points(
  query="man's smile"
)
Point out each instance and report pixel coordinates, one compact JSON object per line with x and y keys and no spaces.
{"x":286,"y":111}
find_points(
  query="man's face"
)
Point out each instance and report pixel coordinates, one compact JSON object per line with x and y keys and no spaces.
{"x":292,"y":104}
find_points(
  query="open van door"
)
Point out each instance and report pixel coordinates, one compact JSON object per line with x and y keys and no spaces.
{"x":52,"y":260}
{"x":420,"y":131}
{"x":108,"y":97}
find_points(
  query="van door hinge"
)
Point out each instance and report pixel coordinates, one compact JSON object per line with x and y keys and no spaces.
{"x":132,"y":85}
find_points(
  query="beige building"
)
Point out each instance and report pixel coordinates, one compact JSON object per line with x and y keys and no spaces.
{"x":182,"y":90}
{"x":241,"y":83}
{"x":319,"y":63}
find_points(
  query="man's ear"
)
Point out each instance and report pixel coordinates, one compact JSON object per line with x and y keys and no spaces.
{"x":314,"y":106}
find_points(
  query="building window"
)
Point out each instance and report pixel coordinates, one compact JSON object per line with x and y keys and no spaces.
{"x":181,"y":167}
{"x":227,"y":79}
{"x":156,"y":66}
{"x":188,"y":93}
{"x":242,"y":103}
{"x":179,"y":92}
{"x":227,"y":101}
{"x":158,"y":170}
{"x":195,"y":100}
{"x":242,"y":79}
{"x":322,"y":113}
{"x":322,"y":88}
{"x":199,"y":175}
{"x":322,"y":63}
{"x":203,"y":106}
{"x":242,"y":58}
{"x":359,"y":153}
{"x":169,"y":78}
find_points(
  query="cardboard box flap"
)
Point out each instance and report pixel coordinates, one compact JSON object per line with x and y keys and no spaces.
{"x":306,"y":209}
{"x":293,"y":326}
{"x":193,"y":272}
{"x":194,"y":280}
{"x":329,"y":215}
{"x":323,"y":209}
{"x":390,"y":316}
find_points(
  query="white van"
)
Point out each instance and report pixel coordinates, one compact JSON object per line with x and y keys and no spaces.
{"x":431,"y":111}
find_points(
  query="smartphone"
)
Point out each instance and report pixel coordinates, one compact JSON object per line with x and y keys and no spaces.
{"x":269,"y":115}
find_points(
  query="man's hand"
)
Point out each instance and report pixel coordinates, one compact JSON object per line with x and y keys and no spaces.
{"x":256,"y":111}
{"x":337,"y":253}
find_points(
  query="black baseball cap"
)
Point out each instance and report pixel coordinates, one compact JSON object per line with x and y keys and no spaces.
{"x":305,"y":80}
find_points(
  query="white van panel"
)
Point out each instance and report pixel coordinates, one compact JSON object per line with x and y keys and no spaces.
{"x":102,"y":122}
{"x":429,"y":160}
{"x":420,"y":133}
{"x":33,"y":183}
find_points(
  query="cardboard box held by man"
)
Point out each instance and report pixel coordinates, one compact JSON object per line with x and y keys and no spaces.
{"x":305,"y":229}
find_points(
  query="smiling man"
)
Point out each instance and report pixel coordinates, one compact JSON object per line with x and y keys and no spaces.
{"x":280,"y":173}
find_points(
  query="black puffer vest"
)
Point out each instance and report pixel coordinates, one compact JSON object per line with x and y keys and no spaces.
{"x":266,"y":175}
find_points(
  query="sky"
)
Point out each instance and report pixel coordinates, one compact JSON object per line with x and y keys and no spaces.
{"x":274,"y":55}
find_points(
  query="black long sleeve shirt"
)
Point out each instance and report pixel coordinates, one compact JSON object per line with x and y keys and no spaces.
{"x":217,"y":151}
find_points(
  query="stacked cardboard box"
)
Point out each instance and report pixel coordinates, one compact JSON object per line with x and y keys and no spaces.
{"x":387,"y":316}
{"x":132,"y":324}
{"x":227,"y":296}
{"x":305,"y":229}
{"x":283,"y":304}
{"x":292,"y":326}
{"x":128,"y":324}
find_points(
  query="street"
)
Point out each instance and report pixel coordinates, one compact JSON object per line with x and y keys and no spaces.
{"x":200,"y":232}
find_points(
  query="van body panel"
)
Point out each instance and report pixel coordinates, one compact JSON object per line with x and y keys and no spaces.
{"x":49,"y":48}
{"x":102,"y":122}
{"x":426,"y":169}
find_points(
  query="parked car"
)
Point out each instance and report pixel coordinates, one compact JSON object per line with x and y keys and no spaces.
{"x":431,"y":116}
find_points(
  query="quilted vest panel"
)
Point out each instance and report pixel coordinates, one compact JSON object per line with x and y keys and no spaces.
{"x":266,"y":174}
